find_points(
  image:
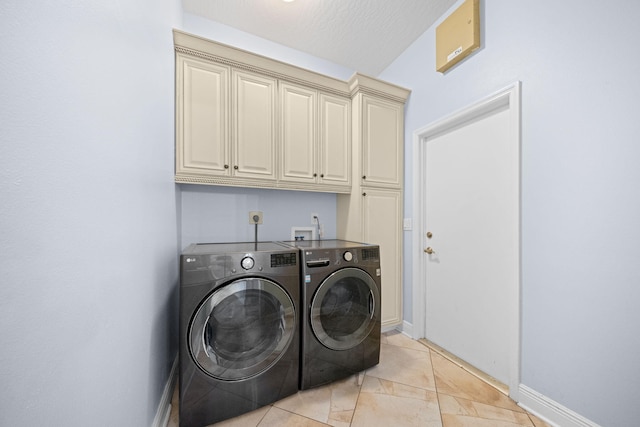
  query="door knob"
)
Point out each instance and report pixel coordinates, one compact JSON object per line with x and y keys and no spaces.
{"x":430,"y":251}
{"x":429,"y":234}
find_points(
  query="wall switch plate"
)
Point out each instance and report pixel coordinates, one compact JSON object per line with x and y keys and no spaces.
{"x":406,"y":224}
{"x":255,"y":217}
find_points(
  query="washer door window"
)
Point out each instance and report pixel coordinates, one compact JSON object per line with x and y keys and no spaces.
{"x":242,"y":329}
{"x":343,"y":309}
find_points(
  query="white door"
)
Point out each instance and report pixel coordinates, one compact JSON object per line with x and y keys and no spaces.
{"x":471,"y":239}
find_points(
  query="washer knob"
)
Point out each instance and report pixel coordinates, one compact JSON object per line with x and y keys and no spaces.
{"x":247,"y":263}
{"x":347,"y":256}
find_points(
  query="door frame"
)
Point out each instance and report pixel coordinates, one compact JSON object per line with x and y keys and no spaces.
{"x":508,"y":98}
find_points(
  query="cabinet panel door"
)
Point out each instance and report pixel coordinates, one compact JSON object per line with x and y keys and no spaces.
{"x":202,"y":130}
{"x":382,"y":143}
{"x":335,"y":140}
{"x":298,"y":127}
{"x":382,"y":211}
{"x":254,"y":126}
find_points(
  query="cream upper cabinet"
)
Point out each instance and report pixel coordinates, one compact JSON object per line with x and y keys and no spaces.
{"x":335,"y":141}
{"x":373,"y":212}
{"x":250,"y":121}
{"x":225,"y":123}
{"x":298,"y":124}
{"x":315,"y":138}
{"x":254,"y":126}
{"x":382,"y":136}
{"x":375,"y":216}
{"x":202,"y":140}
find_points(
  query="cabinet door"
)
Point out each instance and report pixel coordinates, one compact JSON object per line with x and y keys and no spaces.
{"x":382,"y":216}
{"x":202,"y":143}
{"x":382,"y":143}
{"x":254,"y":126}
{"x":335,"y":140}
{"x":298,"y":133}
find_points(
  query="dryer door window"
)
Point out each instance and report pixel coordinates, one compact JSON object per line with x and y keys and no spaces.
{"x":242,"y":329}
{"x":343,"y":309}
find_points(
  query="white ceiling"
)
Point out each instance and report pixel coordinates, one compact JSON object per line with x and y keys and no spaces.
{"x":362,"y":35}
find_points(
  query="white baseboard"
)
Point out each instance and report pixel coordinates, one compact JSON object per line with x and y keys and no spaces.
{"x":404,"y":327}
{"x":407,"y":329}
{"x":550,"y":411}
{"x":164,"y":408}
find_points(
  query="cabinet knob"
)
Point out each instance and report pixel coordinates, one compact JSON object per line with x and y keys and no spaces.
{"x":364,"y":177}
{"x":321,"y":175}
{"x":315,"y":174}
{"x":226,"y":166}
{"x":236,"y":167}
{"x":364,"y":194}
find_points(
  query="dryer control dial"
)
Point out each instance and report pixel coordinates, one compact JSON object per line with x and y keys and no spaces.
{"x":247,"y":263}
{"x":347,"y":256}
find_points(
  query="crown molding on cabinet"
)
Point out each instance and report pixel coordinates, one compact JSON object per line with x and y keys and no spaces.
{"x":208,"y":49}
{"x":361,"y":83}
{"x":241,"y":59}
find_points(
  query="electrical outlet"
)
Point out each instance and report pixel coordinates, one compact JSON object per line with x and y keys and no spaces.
{"x":314,"y":218}
{"x":255,"y":217}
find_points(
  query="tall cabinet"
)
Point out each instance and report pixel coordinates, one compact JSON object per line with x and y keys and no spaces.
{"x":373,"y":212}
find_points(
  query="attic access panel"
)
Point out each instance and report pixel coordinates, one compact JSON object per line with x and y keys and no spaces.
{"x":458,"y":35}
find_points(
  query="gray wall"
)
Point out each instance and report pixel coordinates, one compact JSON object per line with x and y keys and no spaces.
{"x":88,"y":227}
{"x":580,"y":175}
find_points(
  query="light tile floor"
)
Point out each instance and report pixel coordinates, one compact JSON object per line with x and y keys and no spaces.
{"x":411,"y":386}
